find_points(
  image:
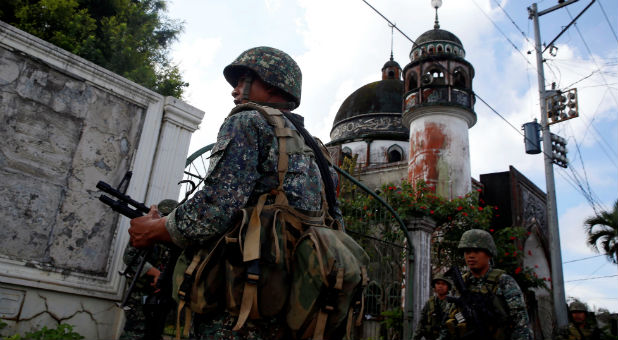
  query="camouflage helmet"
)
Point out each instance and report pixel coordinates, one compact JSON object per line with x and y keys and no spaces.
{"x":274,"y":67}
{"x":480,"y":239}
{"x":441,"y":277}
{"x":577,"y":306}
{"x":166,"y":206}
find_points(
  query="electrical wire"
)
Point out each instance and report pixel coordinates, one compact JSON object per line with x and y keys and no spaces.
{"x":582,"y":259}
{"x":513,"y":21}
{"x":590,"y":53}
{"x":607,"y":20}
{"x":501,"y":32}
{"x":592,"y":278}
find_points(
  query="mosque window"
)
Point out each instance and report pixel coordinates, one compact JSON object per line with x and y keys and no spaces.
{"x":430,"y":49}
{"x":436,"y":76}
{"x":460,"y":78}
{"x":391,"y":74}
{"x":448,"y":49}
{"x":440,"y":48}
{"x":394,"y":153}
{"x":394,"y":295}
{"x":412,"y":80}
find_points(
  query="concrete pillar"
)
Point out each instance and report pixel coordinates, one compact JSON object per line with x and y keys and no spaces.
{"x":180,"y":120}
{"x":418,"y":272}
{"x":439,"y":148}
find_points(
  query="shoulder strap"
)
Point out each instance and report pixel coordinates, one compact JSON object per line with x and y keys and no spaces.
{"x":327,"y":179}
{"x":274,"y":118}
{"x":493,"y":278}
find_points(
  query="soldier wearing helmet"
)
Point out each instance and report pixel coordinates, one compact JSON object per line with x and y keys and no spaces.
{"x":435,"y":310}
{"x":582,"y":324}
{"x":243,"y":166}
{"x":503,"y":311}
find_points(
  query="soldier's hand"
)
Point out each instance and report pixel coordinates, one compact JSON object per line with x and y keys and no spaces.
{"x":155,"y":273}
{"x":149,"y":229}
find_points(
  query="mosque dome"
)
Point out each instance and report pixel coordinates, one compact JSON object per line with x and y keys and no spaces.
{"x":373,"y":111}
{"x":437,"y":41}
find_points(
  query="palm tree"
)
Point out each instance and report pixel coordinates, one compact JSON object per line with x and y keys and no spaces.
{"x":602,"y":232}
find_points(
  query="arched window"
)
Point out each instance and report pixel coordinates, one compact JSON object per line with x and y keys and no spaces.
{"x":393,"y":298}
{"x":436,"y":76}
{"x":460,"y":78}
{"x":430,"y":49}
{"x":373,"y":299}
{"x":394,"y":153}
{"x":440,"y":49}
{"x":448,"y":49}
{"x":412,"y":81}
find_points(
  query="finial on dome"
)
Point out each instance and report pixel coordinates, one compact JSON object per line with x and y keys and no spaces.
{"x":436,"y":4}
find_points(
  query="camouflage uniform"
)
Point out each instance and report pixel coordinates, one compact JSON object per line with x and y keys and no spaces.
{"x":507,"y":293}
{"x":578,"y":331}
{"x":135,"y":325}
{"x":243,"y":166}
{"x":432,"y":318}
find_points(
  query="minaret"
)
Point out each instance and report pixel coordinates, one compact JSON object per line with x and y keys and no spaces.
{"x":438,"y":107}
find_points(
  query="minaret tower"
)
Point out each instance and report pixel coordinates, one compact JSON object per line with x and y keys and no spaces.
{"x":438,"y":107}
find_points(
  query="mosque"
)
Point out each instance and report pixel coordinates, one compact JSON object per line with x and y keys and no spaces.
{"x":413,"y":124}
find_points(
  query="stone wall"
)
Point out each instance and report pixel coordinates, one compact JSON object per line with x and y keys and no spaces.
{"x":66,"y":124}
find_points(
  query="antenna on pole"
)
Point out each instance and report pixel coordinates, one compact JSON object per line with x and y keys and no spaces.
{"x":392,"y":32}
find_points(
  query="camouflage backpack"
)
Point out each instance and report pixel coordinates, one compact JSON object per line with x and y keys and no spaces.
{"x":270,"y":255}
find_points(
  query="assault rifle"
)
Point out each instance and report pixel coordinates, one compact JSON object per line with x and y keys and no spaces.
{"x":157,"y":305}
{"x":472,"y":308}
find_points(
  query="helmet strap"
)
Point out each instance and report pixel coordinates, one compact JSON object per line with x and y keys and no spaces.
{"x":247,"y":86}
{"x":281,"y":106}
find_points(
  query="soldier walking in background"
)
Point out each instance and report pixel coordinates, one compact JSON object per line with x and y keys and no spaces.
{"x":435,"y":310}
{"x":582,"y":325}
{"x":491,"y":305}
{"x":139,"y":312}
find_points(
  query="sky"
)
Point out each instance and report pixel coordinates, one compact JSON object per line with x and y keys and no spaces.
{"x":342,"y":45}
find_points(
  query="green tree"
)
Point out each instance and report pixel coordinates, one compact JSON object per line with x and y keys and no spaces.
{"x":129,"y":37}
{"x":602,"y":232}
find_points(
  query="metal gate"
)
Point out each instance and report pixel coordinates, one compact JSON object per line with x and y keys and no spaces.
{"x":385,"y":293}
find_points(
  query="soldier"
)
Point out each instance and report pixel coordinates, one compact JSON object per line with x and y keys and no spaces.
{"x":435,"y":310}
{"x":243,"y":166}
{"x":582,"y":326}
{"x":138,"y":312}
{"x":498,"y":301}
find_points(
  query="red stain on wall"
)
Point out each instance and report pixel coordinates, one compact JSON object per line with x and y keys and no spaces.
{"x":426,"y":148}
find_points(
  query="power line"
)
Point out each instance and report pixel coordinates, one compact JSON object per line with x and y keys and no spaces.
{"x":607,"y":20}
{"x":582,"y":259}
{"x":590,"y":53}
{"x":501,"y":32}
{"x":391,"y":24}
{"x":593,"y":278}
{"x":513,"y":21}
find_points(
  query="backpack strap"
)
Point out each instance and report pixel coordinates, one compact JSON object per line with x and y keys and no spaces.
{"x":251,"y":251}
{"x":493,"y":279}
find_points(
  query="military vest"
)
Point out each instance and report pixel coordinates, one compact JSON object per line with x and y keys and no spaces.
{"x":494,"y":315}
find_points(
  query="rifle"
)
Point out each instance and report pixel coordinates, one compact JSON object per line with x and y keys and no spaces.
{"x":470,"y":305}
{"x":158,"y":304}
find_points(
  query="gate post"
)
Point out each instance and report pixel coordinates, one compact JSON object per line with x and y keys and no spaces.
{"x":418,"y":272}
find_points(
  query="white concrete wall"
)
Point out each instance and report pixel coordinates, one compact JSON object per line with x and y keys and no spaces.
{"x":67,"y":124}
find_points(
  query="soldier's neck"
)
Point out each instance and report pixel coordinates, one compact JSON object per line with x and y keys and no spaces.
{"x":479,"y":272}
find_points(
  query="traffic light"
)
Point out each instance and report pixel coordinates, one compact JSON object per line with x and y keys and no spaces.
{"x":559,"y":150}
{"x":561,"y":105}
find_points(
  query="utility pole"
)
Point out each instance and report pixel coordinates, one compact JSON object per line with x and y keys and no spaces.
{"x":557,"y":278}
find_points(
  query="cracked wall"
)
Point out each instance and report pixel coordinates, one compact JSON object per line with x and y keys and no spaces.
{"x":93,"y":318}
{"x":58,"y":136}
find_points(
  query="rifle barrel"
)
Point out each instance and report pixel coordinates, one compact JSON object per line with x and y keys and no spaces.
{"x":122,"y":197}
